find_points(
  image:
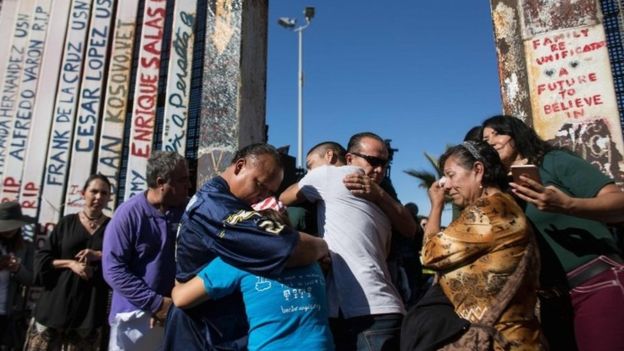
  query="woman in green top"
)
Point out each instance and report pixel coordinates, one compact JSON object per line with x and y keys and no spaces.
{"x":570,"y":209}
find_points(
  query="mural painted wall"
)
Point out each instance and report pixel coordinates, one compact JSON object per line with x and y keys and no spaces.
{"x":555,"y":75}
{"x":572,"y":95}
{"x":96,"y":85}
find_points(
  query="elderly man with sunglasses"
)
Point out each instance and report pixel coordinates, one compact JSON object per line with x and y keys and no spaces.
{"x":356,"y":217}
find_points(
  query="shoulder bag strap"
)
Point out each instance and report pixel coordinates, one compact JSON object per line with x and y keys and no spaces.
{"x":510,"y":288}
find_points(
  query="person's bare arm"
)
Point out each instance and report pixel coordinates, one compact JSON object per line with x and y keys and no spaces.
{"x":400,"y":217}
{"x":292,"y":195}
{"x":309,"y":249}
{"x":81,"y":269}
{"x":436,"y":197}
{"x":189,"y":294}
{"x":607,"y":206}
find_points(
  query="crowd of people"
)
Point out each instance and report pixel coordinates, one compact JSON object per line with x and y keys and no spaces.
{"x":526,"y":263}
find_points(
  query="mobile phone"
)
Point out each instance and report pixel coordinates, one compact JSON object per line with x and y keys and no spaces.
{"x":529,"y":171}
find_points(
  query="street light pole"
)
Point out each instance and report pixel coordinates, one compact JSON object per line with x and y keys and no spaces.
{"x":291,"y":23}
{"x":300,"y":105}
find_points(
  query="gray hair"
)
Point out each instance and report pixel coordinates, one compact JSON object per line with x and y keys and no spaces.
{"x":161,"y":164}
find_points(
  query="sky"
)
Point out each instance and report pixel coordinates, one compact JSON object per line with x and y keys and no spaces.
{"x":420,"y":73}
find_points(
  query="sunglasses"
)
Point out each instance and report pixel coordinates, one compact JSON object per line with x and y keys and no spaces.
{"x":372,"y":160}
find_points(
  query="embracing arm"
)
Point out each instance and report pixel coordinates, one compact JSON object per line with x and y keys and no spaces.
{"x":400,"y":217}
{"x":292,"y":195}
{"x":309,"y":249}
{"x":189,"y":294}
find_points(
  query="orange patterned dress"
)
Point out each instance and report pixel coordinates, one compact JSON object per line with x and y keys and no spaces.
{"x":474,"y":258}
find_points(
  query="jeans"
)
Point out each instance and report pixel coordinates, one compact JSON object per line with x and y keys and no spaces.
{"x":379,"y":332}
{"x":598,"y":310}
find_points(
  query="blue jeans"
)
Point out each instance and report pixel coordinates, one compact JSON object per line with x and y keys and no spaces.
{"x":378,"y":332}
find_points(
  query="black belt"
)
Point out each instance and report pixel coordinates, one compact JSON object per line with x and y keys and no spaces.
{"x":592,"y":270}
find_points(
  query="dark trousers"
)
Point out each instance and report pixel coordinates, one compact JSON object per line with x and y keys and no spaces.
{"x":378,"y":332}
{"x":599,"y":310}
{"x":12,"y":331}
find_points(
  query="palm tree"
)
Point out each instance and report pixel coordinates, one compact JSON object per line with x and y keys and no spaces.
{"x":426,"y":177}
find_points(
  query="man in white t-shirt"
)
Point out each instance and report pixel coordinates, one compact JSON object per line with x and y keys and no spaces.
{"x":355,"y":218}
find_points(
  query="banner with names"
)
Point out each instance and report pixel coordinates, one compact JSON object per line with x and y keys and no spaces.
{"x":89,"y":103}
{"x":116,"y":99}
{"x":9,"y":87}
{"x":32,"y":175}
{"x":178,"y":91}
{"x":7,"y":22}
{"x":22,"y":119}
{"x":64,"y":113}
{"x":145,"y":96}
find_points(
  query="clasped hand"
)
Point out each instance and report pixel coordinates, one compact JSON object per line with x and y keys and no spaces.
{"x":81,"y":269}
{"x":88,"y":256}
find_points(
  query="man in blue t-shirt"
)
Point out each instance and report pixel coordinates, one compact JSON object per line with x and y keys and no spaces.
{"x":219,"y":222}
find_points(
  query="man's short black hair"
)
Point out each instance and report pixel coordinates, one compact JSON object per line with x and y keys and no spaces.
{"x":321,"y":148}
{"x":258,"y":149}
{"x":354,"y":142}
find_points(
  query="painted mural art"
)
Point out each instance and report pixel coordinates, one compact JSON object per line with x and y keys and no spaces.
{"x":592,"y":141}
{"x":572,"y":95}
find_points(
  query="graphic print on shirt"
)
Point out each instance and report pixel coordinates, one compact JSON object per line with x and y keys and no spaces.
{"x":263,"y":284}
{"x":265,"y":224}
{"x":297,"y":292}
